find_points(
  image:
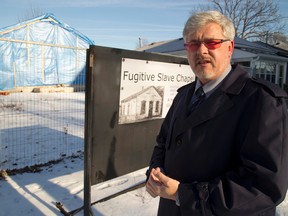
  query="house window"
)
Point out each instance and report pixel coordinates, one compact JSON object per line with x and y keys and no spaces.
{"x":143,"y":107}
{"x":123,"y":110}
{"x":128,"y":109}
{"x":281,"y":76}
{"x":157,"y":106}
{"x":245,"y":64}
{"x":265,"y":70}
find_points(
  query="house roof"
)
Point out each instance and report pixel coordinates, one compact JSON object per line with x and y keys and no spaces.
{"x":168,"y":47}
{"x":244,"y":50}
{"x":154,"y":44}
{"x":241,"y":55}
{"x":50,"y":18}
{"x":140,"y":93}
{"x":278,"y":50}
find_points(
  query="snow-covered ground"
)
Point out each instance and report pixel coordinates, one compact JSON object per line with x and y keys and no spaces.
{"x":40,"y":127}
{"x":36,"y":128}
{"x":36,"y":194}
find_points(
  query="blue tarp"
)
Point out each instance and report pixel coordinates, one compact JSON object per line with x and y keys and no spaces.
{"x":42,"y":51}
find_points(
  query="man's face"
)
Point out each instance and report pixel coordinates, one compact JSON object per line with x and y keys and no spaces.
{"x":209,"y":64}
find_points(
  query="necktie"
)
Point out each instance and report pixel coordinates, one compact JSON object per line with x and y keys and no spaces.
{"x":197,"y":98}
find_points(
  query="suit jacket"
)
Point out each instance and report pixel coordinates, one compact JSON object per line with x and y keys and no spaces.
{"x":231,"y":154}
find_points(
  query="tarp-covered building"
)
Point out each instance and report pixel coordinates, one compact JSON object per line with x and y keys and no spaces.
{"x":40,"y":52}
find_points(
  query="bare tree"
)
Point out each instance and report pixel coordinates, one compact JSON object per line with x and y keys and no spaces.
{"x":253,"y":19}
{"x":278,"y":39}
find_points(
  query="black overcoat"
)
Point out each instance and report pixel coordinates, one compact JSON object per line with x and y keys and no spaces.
{"x":231,"y":154}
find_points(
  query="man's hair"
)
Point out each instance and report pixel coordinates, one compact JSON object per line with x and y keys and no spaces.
{"x":199,"y":19}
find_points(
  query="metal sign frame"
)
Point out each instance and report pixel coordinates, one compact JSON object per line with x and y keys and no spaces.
{"x":112,"y":149}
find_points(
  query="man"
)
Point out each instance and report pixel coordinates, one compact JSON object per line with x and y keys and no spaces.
{"x":226,"y":153}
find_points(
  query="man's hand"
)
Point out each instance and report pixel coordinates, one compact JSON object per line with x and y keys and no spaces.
{"x":161,"y":185}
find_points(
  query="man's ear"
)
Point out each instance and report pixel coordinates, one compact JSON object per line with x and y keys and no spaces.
{"x":231,"y":48}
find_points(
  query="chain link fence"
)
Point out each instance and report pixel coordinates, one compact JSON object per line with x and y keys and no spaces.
{"x":40,"y":124}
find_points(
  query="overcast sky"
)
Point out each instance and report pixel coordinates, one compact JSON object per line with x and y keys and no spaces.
{"x":113,"y":23}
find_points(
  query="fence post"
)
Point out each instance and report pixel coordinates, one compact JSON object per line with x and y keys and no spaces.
{"x":88,"y":137}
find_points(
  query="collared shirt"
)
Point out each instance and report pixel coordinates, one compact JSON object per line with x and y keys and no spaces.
{"x":211,"y":86}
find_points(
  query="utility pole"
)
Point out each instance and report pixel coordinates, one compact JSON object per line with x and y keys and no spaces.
{"x":140,"y":42}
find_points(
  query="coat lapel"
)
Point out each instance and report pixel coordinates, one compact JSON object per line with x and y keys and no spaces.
{"x":217,"y":103}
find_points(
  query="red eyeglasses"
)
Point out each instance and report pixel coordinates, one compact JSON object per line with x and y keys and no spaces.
{"x":211,"y":44}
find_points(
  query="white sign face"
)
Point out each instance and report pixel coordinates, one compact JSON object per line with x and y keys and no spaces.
{"x":148,"y":88}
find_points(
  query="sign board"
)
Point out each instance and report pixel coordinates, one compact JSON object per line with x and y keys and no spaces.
{"x":148,"y":88}
{"x":128,"y":93}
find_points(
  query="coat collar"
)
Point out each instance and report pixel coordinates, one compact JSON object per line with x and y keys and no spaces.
{"x":235,"y":81}
{"x":218,"y":102}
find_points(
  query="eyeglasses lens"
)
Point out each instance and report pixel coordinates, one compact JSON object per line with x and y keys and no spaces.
{"x":209,"y":44}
